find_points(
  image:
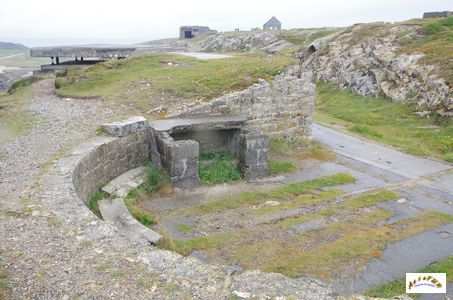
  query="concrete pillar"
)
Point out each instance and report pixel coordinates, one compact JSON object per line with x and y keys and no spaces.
{"x":52,"y":60}
{"x":57,"y":59}
{"x":253,"y":155}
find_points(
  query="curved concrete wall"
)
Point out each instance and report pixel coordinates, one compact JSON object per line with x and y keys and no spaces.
{"x":106,"y":159}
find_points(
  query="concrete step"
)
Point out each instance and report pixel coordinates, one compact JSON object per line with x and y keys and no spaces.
{"x":116,"y":212}
{"x":123,"y":184}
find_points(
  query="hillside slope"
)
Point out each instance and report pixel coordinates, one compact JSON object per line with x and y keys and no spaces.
{"x":405,"y":62}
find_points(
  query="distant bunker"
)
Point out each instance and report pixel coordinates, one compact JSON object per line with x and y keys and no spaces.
{"x":80,"y":56}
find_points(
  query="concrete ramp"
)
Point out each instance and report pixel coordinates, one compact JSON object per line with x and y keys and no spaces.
{"x":116,"y":212}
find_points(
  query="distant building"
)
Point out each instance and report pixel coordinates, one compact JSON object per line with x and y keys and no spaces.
{"x":272,"y":24}
{"x":437,"y":14}
{"x":188,"y":32}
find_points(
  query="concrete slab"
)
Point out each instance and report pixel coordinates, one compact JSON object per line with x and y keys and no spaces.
{"x":123,"y":184}
{"x":126,"y":127}
{"x":376,"y":155}
{"x":406,"y":256}
{"x":97,"y":50}
{"x":199,"y":123}
{"x":116,"y":212}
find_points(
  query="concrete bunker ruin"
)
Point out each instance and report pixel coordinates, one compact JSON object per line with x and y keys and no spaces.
{"x":180,"y":141}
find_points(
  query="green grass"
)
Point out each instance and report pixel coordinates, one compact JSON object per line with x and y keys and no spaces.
{"x":156,"y":179}
{"x":148,"y":80}
{"x":398,"y":287}
{"x":356,"y":241}
{"x":218,"y":167}
{"x":278,"y":166}
{"x":15,"y":119}
{"x":184,"y":228}
{"x":24,"y":83}
{"x":383,"y":121}
{"x":283,"y":191}
{"x":302,"y":149}
{"x":346,"y":207}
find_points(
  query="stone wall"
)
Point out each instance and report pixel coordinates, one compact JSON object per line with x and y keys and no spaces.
{"x":283,"y":107}
{"x":108,"y":158}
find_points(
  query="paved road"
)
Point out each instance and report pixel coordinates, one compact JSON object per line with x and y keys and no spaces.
{"x":425,"y":184}
{"x":376,"y":155}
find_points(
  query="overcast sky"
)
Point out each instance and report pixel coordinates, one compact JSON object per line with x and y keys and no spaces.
{"x":41,"y":22}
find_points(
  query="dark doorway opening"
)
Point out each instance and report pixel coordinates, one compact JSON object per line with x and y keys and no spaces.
{"x":188,"y":34}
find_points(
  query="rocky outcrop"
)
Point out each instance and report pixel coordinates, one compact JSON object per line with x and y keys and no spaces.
{"x":373,"y":65}
{"x":235,"y":41}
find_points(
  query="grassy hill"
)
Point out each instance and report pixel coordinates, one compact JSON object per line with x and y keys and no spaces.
{"x":151,"y":80}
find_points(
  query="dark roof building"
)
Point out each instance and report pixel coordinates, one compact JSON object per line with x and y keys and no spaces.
{"x":273,"y":24}
{"x":437,"y":14}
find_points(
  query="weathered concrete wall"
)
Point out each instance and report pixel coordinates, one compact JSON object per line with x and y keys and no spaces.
{"x":109,"y":158}
{"x":281,"y":108}
{"x":180,"y":159}
{"x":212,"y":140}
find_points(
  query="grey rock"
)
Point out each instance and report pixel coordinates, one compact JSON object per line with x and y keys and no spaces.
{"x":126,"y":127}
{"x":123,"y":184}
{"x":116,"y":212}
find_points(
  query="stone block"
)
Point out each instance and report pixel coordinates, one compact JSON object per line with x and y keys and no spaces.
{"x":126,"y":127}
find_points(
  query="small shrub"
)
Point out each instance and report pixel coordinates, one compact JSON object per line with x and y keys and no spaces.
{"x":156,"y":179}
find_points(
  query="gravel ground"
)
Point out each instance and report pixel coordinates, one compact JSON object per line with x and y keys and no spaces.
{"x":52,"y":247}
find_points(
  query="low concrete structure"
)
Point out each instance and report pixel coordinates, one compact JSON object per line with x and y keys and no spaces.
{"x":188,"y":32}
{"x":123,"y":184}
{"x":126,"y":127}
{"x":179,"y":142}
{"x":437,"y":14}
{"x":114,"y":211}
{"x":92,"y":51}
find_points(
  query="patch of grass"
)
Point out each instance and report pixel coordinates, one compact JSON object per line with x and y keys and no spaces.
{"x":5,"y":289}
{"x":398,"y":287}
{"x":283,"y":191}
{"x":302,"y":200}
{"x":156,"y":179}
{"x":184,"y":228}
{"x":358,"y":242}
{"x":383,"y":121}
{"x":277,"y":166}
{"x":345,"y":207}
{"x":369,"y":199}
{"x":14,"y":118}
{"x":19,"y":84}
{"x":302,"y":149}
{"x":142,"y":80}
{"x":93,"y":204}
{"x":218,"y":167}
